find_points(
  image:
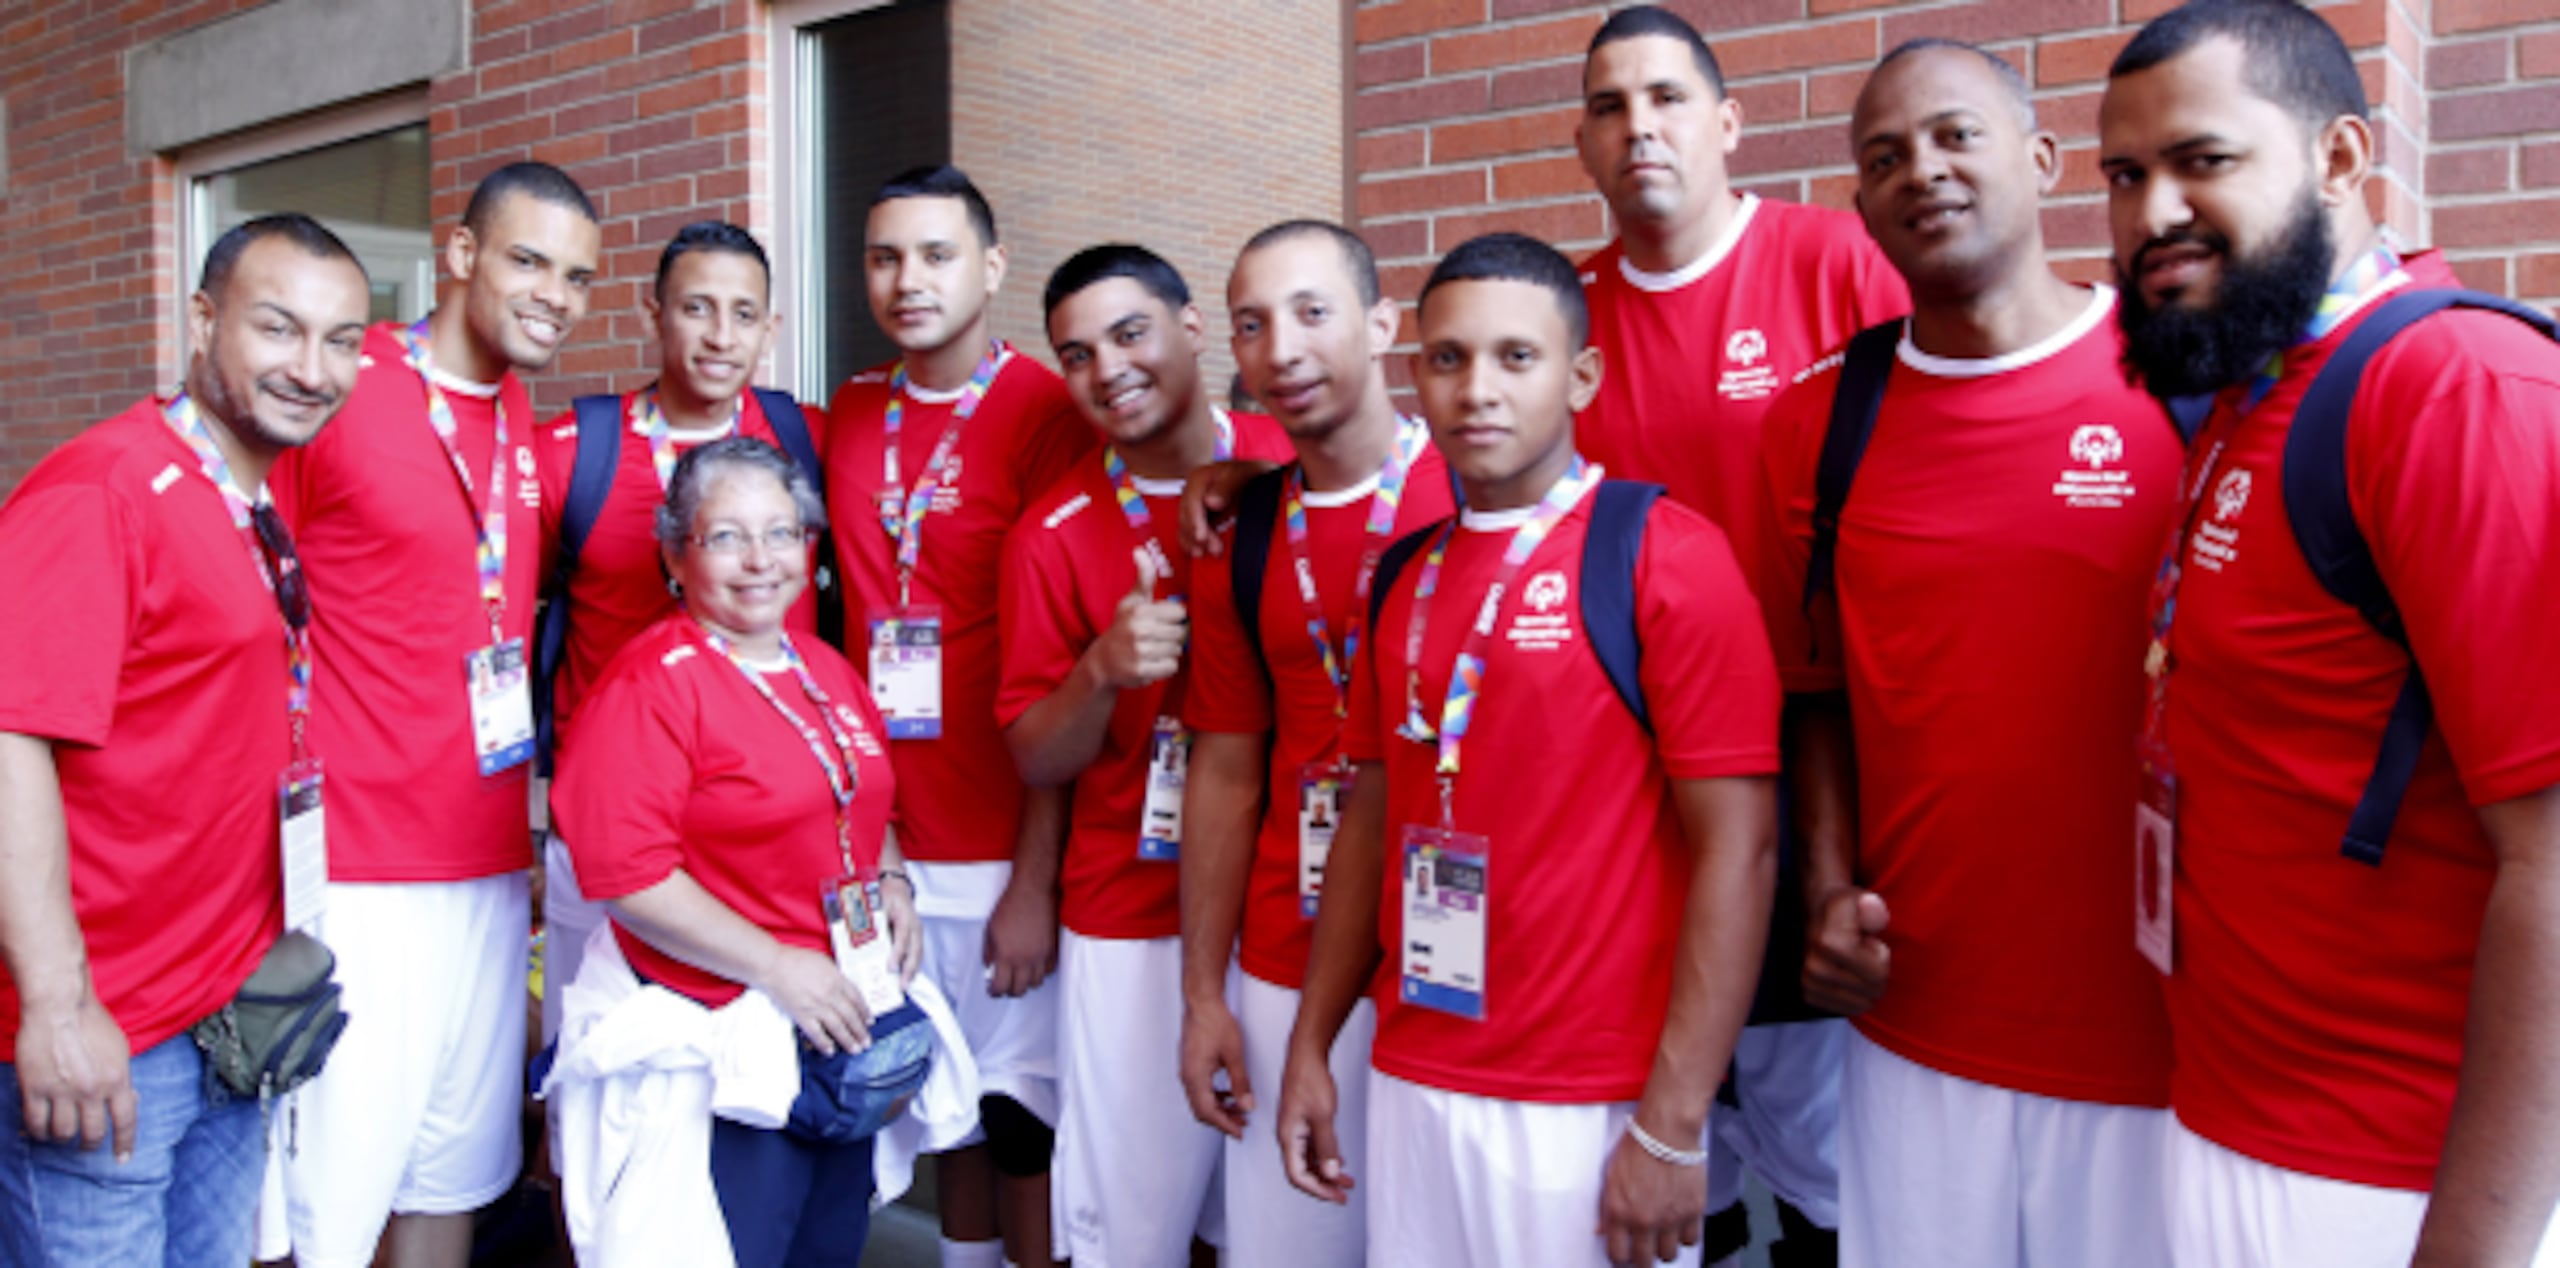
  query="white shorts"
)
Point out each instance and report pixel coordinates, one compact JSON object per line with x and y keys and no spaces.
{"x":1785,"y":1129}
{"x":1135,"y":1173}
{"x":1459,"y":1181}
{"x":569,"y":918}
{"x":1014,"y":1040}
{"x":418,"y":1110}
{"x":1942,"y":1172}
{"x":1269,"y":1223}
{"x":2228,"y":1210}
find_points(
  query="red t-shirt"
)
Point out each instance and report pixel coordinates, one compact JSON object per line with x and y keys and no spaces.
{"x":391,"y":547}
{"x":1994,"y":556}
{"x":620,"y":588}
{"x":689,"y":767}
{"x":1233,"y":691}
{"x":1588,"y":868}
{"x":1066,"y":567}
{"x":959,"y":798}
{"x":141,"y":641}
{"x":2318,"y":1003}
{"x":1692,"y":359}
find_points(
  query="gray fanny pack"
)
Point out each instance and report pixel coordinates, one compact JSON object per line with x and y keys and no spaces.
{"x":277,"y":1032}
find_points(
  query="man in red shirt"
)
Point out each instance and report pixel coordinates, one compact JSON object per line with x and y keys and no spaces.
{"x":1540,"y":1077}
{"x":2367,"y":1065}
{"x":931,"y":460}
{"x":151,"y":665}
{"x":1266,"y":780}
{"x":1707,"y":304}
{"x":1963,"y":803}
{"x":419,"y":515}
{"x":1093,"y":627}
{"x":712,"y":306}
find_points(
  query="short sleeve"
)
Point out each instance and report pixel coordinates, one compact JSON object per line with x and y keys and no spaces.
{"x":1806,"y":645}
{"x":1231,"y":688}
{"x":1037,"y":618}
{"x":624,"y":781}
{"x":2454,"y":451}
{"x":1708,"y":679}
{"x":70,"y":559}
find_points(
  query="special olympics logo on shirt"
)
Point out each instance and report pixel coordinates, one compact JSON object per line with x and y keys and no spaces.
{"x":2231,"y":495}
{"x":2097,"y":444}
{"x":1746,"y":346}
{"x":1546,"y":592}
{"x":524,"y":462}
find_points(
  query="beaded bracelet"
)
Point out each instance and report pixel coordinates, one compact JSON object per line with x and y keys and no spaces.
{"x":1663,"y":1152}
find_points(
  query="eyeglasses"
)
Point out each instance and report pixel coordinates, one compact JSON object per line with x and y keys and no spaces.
{"x":732,"y":542}
{"x":293,"y":596}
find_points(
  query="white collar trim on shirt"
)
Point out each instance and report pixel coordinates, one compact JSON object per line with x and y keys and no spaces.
{"x":1504,"y":520}
{"x":456,"y":383}
{"x":1317,"y":500}
{"x":1697,"y":268}
{"x":2102,"y":300}
{"x":693,"y":435}
{"x":923,"y":395}
{"x":1155,"y":488}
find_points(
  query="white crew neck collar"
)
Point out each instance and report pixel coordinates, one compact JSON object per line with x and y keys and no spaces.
{"x":1155,"y":488}
{"x":1706,"y":263}
{"x":1511,"y":518}
{"x":452,"y":382}
{"x":2102,"y":299}
{"x":923,"y":395}
{"x":1330,"y":499}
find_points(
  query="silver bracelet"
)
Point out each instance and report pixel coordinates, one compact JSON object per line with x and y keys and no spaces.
{"x":888,"y":874}
{"x":1663,"y":1152}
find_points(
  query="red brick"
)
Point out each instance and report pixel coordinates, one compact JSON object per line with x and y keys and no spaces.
{"x":2503,"y":112}
{"x":2542,"y":165}
{"x":2087,"y":270}
{"x":1390,"y":65}
{"x":2080,"y":173}
{"x":1537,"y":86}
{"x":497,"y":76}
{"x":606,"y":113}
{"x":1387,"y":151}
{"x":1774,"y":101}
{"x":2468,"y":63}
{"x":1839,"y":190}
{"x":2538,"y":55}
{"x":2487,"y":273}
{"x":575,"y":23}
{"x":2139,"y":11}
{"x":682,"y":96}
{"x":1825,"y":8}
{"x":1510,"y":134}
{"x":1401,"y":282}
{"x":1989,"y":20}
{"x":681,"y":28}
{"x":1512,"y":45}
{"x":1833,"y":93}
{"x":1766,"y":150}
{"x":2077,"y":59}
{"x":488,"y":110}
{"x":2454,"y":17}
{"x":1800,"y":47}
{"x":1435,"y":191}
{"x":1378,"y":23}
{"x":2538,"y":276}
{"x":2481,"y":171}
{"x":1539,"y":178}
{"x":1397,"y":239}
{"x":650,"y":134}
{"x":2078,"y":224}
{"x":1532,"y":8}
{"x":2360,"y":23}
{"x":563,"y":151}
{"x":2496,"y":224}
{"x":1557,"y":223}
{"x":610,"y":46}
{"x":2071,"y":116}
{"x":1712,"y":16}
{"x":696,"y":159}
{"x":1439,"y":99}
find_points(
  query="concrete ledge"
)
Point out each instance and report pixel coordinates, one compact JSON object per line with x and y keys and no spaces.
{"x":282,"y":59}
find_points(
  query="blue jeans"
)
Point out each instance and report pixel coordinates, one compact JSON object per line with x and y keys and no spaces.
{"x":187,"y":1197}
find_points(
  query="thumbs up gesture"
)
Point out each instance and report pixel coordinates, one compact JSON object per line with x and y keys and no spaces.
{"x":1846,"y":961}
{"x":1144,"y":644}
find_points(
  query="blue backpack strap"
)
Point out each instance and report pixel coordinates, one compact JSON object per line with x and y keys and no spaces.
{"x":1864,"y":366}
{"x":2324,"y":526}
{"x":599,"y":420}
{"x":791,"y":427}
{"x":1249,"y":555}
{"x":2188,"y":414}
{"x":1619,"y":509}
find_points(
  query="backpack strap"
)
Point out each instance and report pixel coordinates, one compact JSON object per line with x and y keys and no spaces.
{"x":1619,"y":509}
{"x":2324,"y":526}
{"x":1392,"y":563}
{"x":599,"y":421}
{"x":791,"y":427}
{"x":1864,"y":366}
{"x":1257,"y":509}
{"x":2188,"y":414}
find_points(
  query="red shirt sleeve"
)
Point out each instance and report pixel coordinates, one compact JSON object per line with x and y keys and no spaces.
{"x":1052,"y":446}
{"x":1230,"y":691}
{"x":2454,"y":462}
{"x":70,"y":566}
{"x":1708,"y":680}
{"x":620,"y":797}
{"x":1806,"y":646}
{"x":1039,"y":623}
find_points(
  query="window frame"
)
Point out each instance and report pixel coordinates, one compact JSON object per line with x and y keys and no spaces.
{"x":790,"y":153}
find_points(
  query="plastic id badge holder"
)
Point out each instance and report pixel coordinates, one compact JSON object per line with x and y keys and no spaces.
{"x":501,"y":706}
{"x":906,"y":671}
{"x":306,"y":843}
{"x":1320,"y":788}
{"x":1168,"y":763}
{"x":1442,"y":959}
{"x":860,"y":935}
{"x":2155,"y":858}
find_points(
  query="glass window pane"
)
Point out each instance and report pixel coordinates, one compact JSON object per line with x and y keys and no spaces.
{"x":370,"y":191}
{"x":882,"y":104}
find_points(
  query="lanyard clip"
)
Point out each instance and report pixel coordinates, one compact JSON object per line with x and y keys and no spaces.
{"x":1448,"y":793}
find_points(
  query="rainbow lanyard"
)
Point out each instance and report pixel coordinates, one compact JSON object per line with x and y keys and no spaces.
{"x":1411,"y":436}
{"x":182,"y":417}
{"x":844,"y":777}
{"x":1133,"y":504}
{"x":1466,"y":677}
{"x":489,"y":524}
{"x":902,"y":510}
{"x":662,"y":443}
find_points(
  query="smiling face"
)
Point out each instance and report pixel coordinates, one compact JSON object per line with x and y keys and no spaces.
{"x":1131,"y":361}
{"x":1308,"y":351}
{"x":735,"y":579}
{"x":525,"y":281}
{"x":713,"y":326}
{"x":278,"y":350}
{"x":1949,"y":174}
{"x":1499,"y":380}
{"x":1654,"y":134}
{"x":927,"y":273}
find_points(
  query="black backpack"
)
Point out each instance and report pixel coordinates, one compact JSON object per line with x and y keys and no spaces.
{"x":591,"y":479}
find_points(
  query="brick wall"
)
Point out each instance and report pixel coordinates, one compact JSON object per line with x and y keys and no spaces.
{"x":1464,"y":112}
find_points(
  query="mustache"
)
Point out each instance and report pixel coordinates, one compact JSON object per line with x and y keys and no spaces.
{"x":2183,"y":236}
{"x":286,"y":390}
